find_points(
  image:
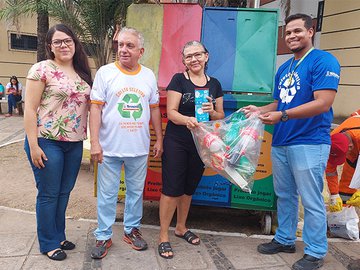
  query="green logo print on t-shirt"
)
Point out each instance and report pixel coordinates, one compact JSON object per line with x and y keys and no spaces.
{"x":130,"y":106}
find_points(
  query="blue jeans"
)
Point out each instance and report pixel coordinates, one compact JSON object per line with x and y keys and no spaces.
{"x":299,"y":170}
{"x":108,"y":183}
{"x":54,"y":184}
{"x":12,"y":100}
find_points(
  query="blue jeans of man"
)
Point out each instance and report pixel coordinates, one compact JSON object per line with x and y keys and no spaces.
{"x":54,"y":183}
{"x":299,"y":170}
{"x":12,"y":100}
{"x":108,"y":183}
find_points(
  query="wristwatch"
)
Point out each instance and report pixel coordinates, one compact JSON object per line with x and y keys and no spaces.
{"x":284,"y":116}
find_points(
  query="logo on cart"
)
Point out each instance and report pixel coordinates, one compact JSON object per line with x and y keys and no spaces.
{"x":130,"y":106}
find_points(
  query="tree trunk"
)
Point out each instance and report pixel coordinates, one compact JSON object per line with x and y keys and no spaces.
{"x":42,"y":29}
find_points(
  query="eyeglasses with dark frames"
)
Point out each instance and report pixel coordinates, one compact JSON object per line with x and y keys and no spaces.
{"x":197,"y":56}
{"x":58,"y":42}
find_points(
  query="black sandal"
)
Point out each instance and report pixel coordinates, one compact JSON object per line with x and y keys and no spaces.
{"x":67,"y":245}
{"x":189,"y":237}
{"x":163,"y":248}
{"x":58,"y":255}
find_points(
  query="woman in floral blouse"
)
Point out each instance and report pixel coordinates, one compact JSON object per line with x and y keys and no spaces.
{"x":56,"y":110}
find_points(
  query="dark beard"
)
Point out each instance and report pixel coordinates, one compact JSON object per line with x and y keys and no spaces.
{"x":299,"y":49}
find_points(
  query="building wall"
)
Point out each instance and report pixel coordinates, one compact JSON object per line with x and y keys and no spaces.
{"x":18,"y":62}
{"x":341,"y":36}
{"x":309,"y":7}
{"x":15,"y":62}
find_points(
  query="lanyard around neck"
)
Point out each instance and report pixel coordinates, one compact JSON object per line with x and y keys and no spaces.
{"x":297,"y":64}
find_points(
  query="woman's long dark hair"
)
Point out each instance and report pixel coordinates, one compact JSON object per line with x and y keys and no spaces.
{"x":17,"y":82}
{"x":80,"y":60}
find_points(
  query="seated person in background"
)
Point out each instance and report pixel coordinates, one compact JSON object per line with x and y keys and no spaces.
{"x":13,"y":90}
{"x":2,"y":91}
{"x":345,"y":143}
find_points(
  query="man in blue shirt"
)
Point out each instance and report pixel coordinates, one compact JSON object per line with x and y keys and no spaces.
{"x":305,"y":88}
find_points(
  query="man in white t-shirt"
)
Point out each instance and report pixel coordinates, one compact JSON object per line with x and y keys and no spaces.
{"x":124,"y":98}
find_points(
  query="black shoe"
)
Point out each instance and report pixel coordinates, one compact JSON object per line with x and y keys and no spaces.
{"x":308,"y":262}
{"x":58,"y":255}
{"x":67,"y":245}
{"x":275,"y":247}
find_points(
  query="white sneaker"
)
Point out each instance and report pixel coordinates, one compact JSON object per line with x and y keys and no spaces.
{"x":16,"y":111}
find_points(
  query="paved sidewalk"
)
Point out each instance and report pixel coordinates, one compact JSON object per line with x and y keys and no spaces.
{"x":19,"y":246}
{"x":11,"y":129}
{"x":19,"y":249}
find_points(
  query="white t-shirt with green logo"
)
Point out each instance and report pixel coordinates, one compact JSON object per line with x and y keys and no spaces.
{"x":127,"y":98}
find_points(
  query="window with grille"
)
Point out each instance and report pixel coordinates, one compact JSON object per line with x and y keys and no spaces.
{"x":23,"y":42}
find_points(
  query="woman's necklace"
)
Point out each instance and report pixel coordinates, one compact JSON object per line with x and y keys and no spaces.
{"x":203,"y":84}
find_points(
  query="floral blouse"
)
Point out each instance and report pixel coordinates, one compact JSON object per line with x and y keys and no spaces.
{"x":62,"y":114}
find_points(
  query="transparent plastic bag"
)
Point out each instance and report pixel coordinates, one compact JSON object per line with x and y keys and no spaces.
{"x":231,"y":147}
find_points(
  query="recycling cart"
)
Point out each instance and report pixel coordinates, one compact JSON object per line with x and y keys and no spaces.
{"x":242,"y":44}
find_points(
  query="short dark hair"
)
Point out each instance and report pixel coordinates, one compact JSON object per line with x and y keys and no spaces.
{"x":80,"y":60}
{"x":306,"y":18}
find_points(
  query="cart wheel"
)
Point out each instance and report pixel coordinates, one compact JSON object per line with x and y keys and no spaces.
{"x":266,"y":224}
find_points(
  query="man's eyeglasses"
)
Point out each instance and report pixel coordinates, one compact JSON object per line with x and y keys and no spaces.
{"x":197,"y":56}
{"x":59,"y":42}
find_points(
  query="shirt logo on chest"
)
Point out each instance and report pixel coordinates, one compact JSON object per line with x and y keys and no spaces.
{"x":289,"y":85}
{"x":188,"y":97}
{"x":130,"y":106}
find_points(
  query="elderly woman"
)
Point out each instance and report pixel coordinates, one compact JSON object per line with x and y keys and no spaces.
{"x":56,"y":113}
{"x":182,"y":167}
